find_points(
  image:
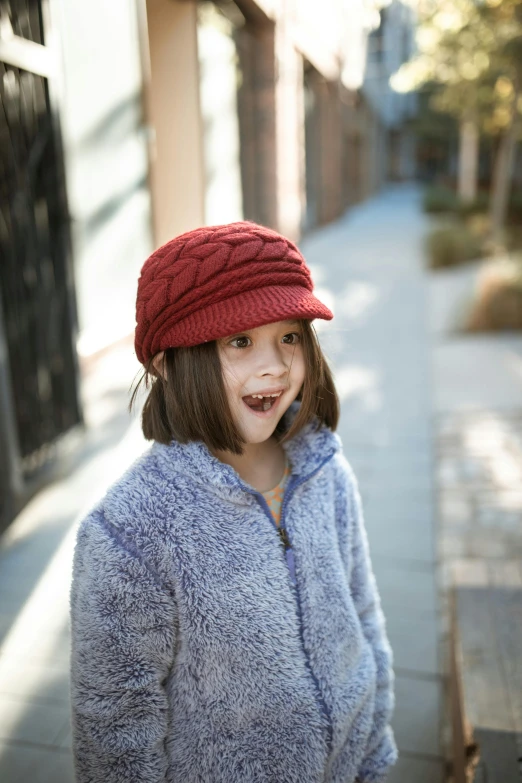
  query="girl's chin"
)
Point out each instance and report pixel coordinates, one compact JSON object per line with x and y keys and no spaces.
{"x":258,"y":430}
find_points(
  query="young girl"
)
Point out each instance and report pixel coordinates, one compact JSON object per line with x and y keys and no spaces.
{"x":226,"y":625}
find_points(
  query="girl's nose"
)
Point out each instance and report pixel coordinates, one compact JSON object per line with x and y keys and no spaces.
{"x":272,"y":361}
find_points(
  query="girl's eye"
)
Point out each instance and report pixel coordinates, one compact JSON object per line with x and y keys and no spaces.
{"x":236,"y":339}
{"x":294,"y":339}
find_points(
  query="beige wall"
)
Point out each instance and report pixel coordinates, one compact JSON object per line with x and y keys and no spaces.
{"x":291,"y":200}
{"x":177,"y":170}
{"x":271,"y":98}
{"x":106,"y":163}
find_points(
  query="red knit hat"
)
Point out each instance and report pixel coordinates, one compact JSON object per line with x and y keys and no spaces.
{"x":220,"y":280}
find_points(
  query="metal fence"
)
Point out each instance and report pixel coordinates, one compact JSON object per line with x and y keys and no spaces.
{"x":39,"y":399}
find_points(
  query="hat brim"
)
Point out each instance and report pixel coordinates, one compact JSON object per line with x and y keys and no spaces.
{"x":245,"y":310}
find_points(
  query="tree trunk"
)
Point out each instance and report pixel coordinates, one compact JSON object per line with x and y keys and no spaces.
{"x":468,"y":159}
{"x":503,"y":173}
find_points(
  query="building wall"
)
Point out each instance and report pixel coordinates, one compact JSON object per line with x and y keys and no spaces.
{"x":290,"y":132}
{"x":328,"y":40}
{"x":388,"y":46}
{"x":105,"y":148}
{"x":324,"y":165}
{"x":174,"y":114}
{"x":218,"y":88}
{"x":257,"y":121}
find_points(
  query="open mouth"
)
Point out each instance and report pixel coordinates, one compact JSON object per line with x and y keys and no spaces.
{"x":262,"y":404}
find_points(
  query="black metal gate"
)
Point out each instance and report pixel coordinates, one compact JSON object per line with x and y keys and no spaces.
{"x":39,"y":377}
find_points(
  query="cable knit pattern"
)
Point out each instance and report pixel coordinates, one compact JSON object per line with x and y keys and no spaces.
{"x":214,"y":281}
{"x":195,"y":660}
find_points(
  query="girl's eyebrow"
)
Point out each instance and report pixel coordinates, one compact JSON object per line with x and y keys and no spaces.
{"x":245,"y":331}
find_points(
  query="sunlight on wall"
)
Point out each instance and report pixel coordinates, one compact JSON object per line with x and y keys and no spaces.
{"x":106,"y":159}
{"x":107,"y":293}
{"x":218,"y":96}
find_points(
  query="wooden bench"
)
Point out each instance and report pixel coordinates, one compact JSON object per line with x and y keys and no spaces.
{"x":486,"y":684}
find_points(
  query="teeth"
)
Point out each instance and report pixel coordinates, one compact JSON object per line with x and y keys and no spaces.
{"x":260,"y":396}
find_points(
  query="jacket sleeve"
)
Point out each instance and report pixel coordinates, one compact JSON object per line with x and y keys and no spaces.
{"x":381,"y":751}
{"x":123,"y":628}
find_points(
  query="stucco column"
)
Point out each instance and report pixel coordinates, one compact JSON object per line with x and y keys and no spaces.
{"x":289,"y":133}
{"x":177,"y":168}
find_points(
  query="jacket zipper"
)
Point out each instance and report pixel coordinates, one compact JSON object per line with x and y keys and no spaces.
{"x":286,"y":497}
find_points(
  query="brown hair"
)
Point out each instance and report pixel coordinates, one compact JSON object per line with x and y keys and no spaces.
{"x":192,"y":404}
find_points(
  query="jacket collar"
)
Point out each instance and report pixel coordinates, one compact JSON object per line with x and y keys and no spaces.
{"x":306,"y":451}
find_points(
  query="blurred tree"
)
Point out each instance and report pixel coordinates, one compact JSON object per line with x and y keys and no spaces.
{"x":505,"y":18}
{"x":473,"y":50}
{"x":437,"y":137}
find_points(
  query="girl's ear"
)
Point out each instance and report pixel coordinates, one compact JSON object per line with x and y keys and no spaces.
{"x":157,"y":363}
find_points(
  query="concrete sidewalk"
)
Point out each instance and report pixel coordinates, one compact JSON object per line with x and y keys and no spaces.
{"x":35,"y":573}
{"x":478,"y":439}
{"x":368,"y":266}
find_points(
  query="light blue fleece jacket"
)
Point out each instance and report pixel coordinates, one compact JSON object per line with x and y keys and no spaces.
{"x":194,"y":658}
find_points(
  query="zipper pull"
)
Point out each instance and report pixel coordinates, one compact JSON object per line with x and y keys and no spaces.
{"x":284,"y":537}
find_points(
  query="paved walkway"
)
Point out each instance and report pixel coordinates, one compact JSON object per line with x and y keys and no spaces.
{"x":35,"y":570}
{"x":478,"y":437}
{"x":369,"y":267}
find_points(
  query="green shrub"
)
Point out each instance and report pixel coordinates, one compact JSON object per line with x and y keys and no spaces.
{"x":439,"y":199}
{"x":479,"y":205}
{"x":452,"y":245}
{"x":514,"y":236}
{"x":515,"y":208}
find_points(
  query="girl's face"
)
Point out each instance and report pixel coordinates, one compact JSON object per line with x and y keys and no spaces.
{"x":267,"y":360}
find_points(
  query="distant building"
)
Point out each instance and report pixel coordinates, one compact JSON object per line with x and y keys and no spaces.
{"x":389,"y":45}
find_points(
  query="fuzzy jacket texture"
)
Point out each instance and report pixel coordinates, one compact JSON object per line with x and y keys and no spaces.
{"x":195,"y":659}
